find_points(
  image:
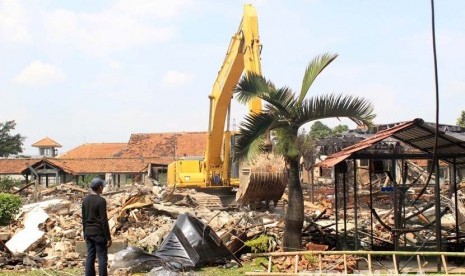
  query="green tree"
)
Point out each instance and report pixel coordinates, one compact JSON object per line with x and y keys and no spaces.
{"x":339,"y":129}
{"x":10,"y":144}
{"x":6,"y":183}
{"x":461,"y":119}
{"x":287,"y":111}
{"x":10,"y":205}
{"x":319,"y":130}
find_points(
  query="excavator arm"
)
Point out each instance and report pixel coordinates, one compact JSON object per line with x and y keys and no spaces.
{"x":255,"y":183}
{"x":243,"y":55}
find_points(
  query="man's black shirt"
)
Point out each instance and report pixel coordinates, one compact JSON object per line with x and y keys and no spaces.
{"x":94,"y":216}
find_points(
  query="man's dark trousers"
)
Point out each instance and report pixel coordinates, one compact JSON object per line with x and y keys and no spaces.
{"x":96,"y":245}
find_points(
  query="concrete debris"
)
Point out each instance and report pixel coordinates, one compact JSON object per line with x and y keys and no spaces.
{"x":25,"y":238}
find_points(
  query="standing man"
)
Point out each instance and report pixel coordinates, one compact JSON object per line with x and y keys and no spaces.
{"x":96,"y":229}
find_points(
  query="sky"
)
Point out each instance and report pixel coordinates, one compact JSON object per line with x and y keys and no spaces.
{"x":96,"y":71}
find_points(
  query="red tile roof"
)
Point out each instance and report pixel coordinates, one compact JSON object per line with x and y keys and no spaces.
{"x":105,"y":165}
{"x":45,"y":143}
{"x":166,"y":145}
{"x":100,"y":165}
{"x":133,"y":157}
{"x":94,"y":150}
{"x":15,"y":166}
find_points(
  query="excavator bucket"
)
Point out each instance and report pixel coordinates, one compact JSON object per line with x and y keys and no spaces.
{"x":265,"y":180}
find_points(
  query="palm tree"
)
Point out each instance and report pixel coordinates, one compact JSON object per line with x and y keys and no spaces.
{"x":284,"y":113}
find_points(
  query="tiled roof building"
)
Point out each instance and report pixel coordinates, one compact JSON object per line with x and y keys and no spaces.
{"x":118,"y":161}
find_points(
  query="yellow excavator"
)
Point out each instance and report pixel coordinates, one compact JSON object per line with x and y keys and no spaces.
{"x":218,"y":169}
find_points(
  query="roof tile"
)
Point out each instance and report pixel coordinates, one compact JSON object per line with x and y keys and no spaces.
{"x":46,"y":142}
{"x":15,"y":166}
{"x":166,"y":145}
{"x":95,"y":150}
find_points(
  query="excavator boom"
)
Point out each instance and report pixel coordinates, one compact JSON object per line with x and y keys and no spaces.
{"x":254,"y":183}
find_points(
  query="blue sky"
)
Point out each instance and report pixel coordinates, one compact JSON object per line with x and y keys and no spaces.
{"x":97,"y":71}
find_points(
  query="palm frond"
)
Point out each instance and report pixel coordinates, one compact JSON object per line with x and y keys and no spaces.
{"x":357,"y":109}
{"x":252,"y":134}
{"x":252,"y":85}
{"x":314,"y":68}
{"x":281,"y":101}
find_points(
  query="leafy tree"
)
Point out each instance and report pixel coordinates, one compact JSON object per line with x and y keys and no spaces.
{"x":87,"y":179}
{"x":339,"y":129}
{"x":6,"y":183}
{"x":319,"y":130}
{"x":287,"y":111}
{"x":10,"y":144}
{"x":461,"y":119}
{"x":10,"y":205}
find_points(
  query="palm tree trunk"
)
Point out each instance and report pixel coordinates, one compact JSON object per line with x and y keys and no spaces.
{"x":292,"y":240}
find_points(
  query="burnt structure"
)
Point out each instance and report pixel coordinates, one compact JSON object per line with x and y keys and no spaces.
{"x":384,"y":170}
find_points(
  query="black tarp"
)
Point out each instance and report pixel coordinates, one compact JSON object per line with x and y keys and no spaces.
{"x":191,"y":243}
{"x":136,"y":259}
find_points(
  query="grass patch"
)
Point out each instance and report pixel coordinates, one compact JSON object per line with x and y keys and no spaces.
{"x":233,"y":271}
{"x":204,"y":271}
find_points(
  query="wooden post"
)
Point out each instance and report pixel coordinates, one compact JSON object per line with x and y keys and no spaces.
{"x":312,"y":188}
{"x":394,"y":260}
{"x":444,"y":264}
{"x":420,"y":270}
{"x":36,"y":190}
{"x":269,"y":264}
{"x":345,"y":264}
{"x":370,"y":269}
{"x":320,"y":264}
{"x":296,"y":261}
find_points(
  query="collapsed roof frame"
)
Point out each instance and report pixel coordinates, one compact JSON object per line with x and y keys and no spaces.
{"x":417,"y":134}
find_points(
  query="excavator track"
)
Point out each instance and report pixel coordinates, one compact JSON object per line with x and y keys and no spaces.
{"x":213,"y":199}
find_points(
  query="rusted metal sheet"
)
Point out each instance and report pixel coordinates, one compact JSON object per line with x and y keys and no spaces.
{"x":345,"y":153}
{"x":415,"y":133}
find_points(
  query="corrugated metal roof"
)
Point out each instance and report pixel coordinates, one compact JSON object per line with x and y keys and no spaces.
{"x":415,"y":133}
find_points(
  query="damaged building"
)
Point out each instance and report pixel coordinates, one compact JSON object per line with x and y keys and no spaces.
{"x":145,"y":157}
{"x":388,"y":195}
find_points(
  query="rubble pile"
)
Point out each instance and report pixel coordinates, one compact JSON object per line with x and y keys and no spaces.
{"x":58,"y":239}
{"x":139,"y":216}
{"x":48,"y":233}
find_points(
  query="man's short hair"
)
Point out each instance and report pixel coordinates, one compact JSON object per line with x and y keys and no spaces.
{"x":96,"y":183}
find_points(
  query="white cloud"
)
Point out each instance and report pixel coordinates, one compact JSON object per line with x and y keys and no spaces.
{"x":12,"y":22}
{"x":104,"y":32}
{"x":39,"y":73}
{"x":175,"y":78}
{"x":125,"y":25}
